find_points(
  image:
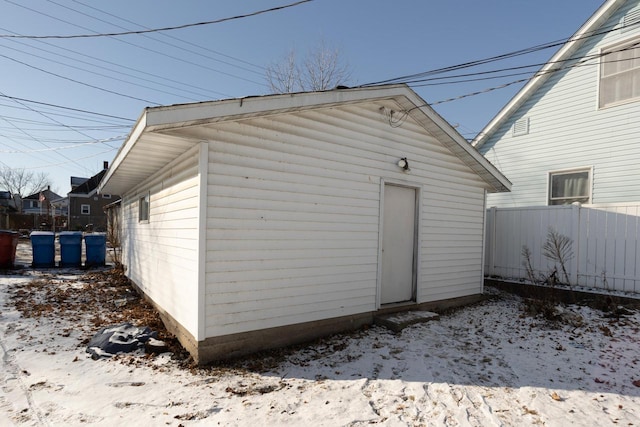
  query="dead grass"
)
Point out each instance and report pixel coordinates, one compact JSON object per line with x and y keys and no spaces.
{"x":89,"y":302}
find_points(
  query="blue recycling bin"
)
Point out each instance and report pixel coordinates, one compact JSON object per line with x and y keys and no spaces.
{"x":70,"y":248}
{"x":43,"y":247}
{"x":96,"y":249}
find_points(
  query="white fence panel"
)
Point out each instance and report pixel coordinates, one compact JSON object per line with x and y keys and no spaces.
{"x":605,"y":243}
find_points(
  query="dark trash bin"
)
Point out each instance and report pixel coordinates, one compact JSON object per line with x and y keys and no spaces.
{"x":70,"y":248}
{"x":8,"y":244}
{"x":96,"y":249}
{"x":43,"y":245}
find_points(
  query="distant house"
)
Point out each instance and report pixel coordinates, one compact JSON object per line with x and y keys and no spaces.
{"x":572,"y":134}
{"x":39,"y":203}
{"x":7,"y":203}
{"x":86,"y":205}
{"x":263,"y":221}
{"x":7,"y":206}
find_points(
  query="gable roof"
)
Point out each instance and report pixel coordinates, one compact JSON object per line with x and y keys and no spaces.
{"x":89,"y":185}
{"x":48,"y":194}
{"x":146,"y":149}
{"x":569,"y":48}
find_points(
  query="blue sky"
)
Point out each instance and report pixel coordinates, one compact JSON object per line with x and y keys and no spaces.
{"x":119,"y":76}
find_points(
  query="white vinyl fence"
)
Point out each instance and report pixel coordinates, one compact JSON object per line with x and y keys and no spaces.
{"x":605,"y":243}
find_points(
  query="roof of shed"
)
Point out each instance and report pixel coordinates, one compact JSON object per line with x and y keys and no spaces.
{"x":541,"y":76}
{"x":149,"y":147}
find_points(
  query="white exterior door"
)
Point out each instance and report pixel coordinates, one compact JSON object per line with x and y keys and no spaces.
{"x":398,"y":244}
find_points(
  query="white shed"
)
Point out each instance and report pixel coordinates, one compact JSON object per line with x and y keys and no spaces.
{"x":263,"y":221}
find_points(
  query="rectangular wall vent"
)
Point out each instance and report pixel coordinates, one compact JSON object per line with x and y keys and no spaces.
{"x":631,"y":20}
{"x":521,"y":127}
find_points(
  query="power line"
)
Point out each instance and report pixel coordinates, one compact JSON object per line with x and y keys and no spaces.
{"x":155,"y":30}
{"x":66,"y":147}
{"x":580,"y":63}
{"x":123,"y":66}
{"x":78,"y":81}
{"x":500,"y":57}
{"x":72,"y":161}
{"x":40,"y":142}
{"x":262,"y":69}
{"x":142,"y":47}
{"x":63,"y":107}
{"x":98,"y":73}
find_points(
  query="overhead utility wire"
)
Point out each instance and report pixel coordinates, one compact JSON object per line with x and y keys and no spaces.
{"x":66,"y":147}
{"x":3,"y":95}
{"x":122,"y":66}
{"x":142,"y":47}
{"x":261,"y":72}
{"x":155,"y":30}
{"x":54,"y":120}
{"x":395,"y":122}
{"x":78,"y":81}
{"x":72,"y":161}
{"x":95,"y":73}
{"x":40,"y":142}
{"x":580,"y":63}
{"x":495,"y":58}
{"x":481,"y":73}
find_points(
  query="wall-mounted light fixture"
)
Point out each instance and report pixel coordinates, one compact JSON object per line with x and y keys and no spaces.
{"x":404,"y":164}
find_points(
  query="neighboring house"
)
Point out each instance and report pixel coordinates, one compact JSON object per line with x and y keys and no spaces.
{"x":572,"y":134}
{"x":7,"y":204}
{"x":86,"y":205}
{"x":39,"y":203}
{"x":571,"y":137}
{"x":263,"y":221}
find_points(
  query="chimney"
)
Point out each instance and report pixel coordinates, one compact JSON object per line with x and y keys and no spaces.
{"x":105,"y":165}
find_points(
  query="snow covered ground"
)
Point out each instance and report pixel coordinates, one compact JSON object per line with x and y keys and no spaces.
{"x":489,"y":364}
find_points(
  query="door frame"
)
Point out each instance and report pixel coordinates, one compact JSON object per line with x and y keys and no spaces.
{"x":416,"y":238}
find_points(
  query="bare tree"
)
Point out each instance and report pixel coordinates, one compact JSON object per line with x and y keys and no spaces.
{"x":22,"y":182}
{"x":321,"y":69}
{"x":558,"y":248}
{"x":284,"y":76}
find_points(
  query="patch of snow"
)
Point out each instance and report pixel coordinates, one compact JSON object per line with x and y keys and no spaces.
{"x":489,"y":364}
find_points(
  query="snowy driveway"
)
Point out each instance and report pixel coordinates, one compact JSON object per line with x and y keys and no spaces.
{"x":490,"y":364}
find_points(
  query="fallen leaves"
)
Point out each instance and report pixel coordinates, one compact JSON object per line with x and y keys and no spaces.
{"x":555,"y":396}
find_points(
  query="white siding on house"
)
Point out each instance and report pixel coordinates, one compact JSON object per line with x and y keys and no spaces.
{"x":161,"y":254}
{"x":568,"y":130}
{"x":293,"y":215}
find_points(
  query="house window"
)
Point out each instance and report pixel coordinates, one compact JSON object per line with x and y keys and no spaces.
{"x":106,"y":196}
{"x":85,"y":209}
{"x":620,"y":74}
{"x":34,"y":204}
{"x":143,"y":208}
{"x":566,"y":187}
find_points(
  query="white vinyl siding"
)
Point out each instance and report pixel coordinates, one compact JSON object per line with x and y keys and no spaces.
{"x":293,"y":216}
{"x":571,"y":132}
{"x":161,"y":254}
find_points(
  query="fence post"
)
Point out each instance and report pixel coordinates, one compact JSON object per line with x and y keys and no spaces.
{"x":491,"y":240}
{"x":575,"y":237}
